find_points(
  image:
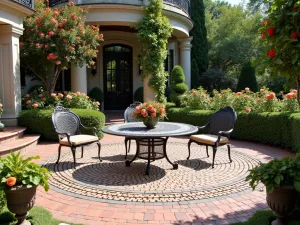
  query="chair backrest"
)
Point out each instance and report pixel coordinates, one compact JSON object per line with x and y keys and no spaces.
{"x":65,"y":121}
{"x":222,"y":120}
{"x":130,"y":109}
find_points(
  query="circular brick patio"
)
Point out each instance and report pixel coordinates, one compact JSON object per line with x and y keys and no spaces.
{"x":110,"y":181}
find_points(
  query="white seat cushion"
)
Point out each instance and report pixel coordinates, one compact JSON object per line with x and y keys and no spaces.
{"x":208,"y":139}
{"x":79,"y":140}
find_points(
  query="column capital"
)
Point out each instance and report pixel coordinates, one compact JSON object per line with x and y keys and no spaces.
{"x":9,"y":29}
{"x":185,"y":43}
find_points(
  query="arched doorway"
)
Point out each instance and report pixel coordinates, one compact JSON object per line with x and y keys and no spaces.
{"x":117,"y":76}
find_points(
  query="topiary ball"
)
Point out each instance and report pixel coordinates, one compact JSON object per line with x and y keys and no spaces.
{"x":179,"y":88}
{"x":97,"y":94}
{"x":177,"y":75}
{"x":139,"y":94}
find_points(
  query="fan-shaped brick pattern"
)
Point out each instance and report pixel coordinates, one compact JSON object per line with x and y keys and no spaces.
{"x":111,"y":181}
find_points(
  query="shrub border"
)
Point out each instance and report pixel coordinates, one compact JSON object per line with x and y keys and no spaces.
{"x":280,"y":129}
{"x":39,"y":121}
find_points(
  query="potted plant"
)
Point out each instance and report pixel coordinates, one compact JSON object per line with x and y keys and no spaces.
{"x":150,"y":113}
{"x":1,"y":111}
{"x":282,"y":180}
{"x":19,"y":178}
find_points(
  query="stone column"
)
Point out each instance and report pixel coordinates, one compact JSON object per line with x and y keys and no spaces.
{"x":149,"y":93}
{"x":10,"y":82}
{"x":79,"y":78}
{"x":185,"y":58}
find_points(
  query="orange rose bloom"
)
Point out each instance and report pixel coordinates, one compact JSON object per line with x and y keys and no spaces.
{"x":11,"y":181}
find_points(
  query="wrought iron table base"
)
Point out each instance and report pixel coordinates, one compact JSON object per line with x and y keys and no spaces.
{"x":152,"y":152}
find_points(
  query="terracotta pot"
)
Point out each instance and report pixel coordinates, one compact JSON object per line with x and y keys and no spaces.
{"x":282,"y":201}
{"x":20,"y":199}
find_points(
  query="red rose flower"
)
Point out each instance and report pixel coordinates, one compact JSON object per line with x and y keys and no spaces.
{"x":294,"y":35}
{"x":272,"y":53}
{"x":271,"y":31}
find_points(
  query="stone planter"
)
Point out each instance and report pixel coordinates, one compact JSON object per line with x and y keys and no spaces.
{"x":150,"y":122}
{"x":282,"y":201}
{"x":20,"y":199}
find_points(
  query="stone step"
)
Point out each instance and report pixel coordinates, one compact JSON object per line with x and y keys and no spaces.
{"x":11,"y":134}
{"x":22,"y":144}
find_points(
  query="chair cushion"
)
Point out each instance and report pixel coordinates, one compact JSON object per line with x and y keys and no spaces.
{"x":79,"y":140}
{"x":208,"y":139}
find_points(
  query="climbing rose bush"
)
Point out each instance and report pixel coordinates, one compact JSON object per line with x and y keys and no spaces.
{"x":242,"y":101}
{"x":280,"y":36}
{"x":42,"y":99}
{"x":56,"y":37}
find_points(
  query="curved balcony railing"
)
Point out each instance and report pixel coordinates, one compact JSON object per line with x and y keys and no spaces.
{"x":184,"y":5}
{"x":27,"y":3}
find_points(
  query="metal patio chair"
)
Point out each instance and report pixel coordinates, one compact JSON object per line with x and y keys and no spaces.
{"x":127,"y":119}
{"x":216,"y":132}
{"x":67,"y":125}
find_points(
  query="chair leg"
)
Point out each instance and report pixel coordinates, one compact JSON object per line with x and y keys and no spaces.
{"x":129,"y":145}
{"x":73,"y":149}
{"x":81,"y":151}
{"x":214,"y":154}
{"x":126,"y":140}
{"x":99,"y":149}
{"x":59,"y":150}
{"x":207,"y":151}
{"x":189,"y":148}
{"x":228,"y":146}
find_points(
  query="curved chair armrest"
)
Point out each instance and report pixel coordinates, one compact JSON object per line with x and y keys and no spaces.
{"x":220,"y":134}
{"x":90,"y":128}
{"x":225,"y":132}
{"x":67,"y":135}
{"x":202,"y":127}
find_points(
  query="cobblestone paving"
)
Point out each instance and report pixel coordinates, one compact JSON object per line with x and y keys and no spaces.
{"x":110,"y":181}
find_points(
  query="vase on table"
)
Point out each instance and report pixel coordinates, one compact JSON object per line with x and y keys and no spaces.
{"x":150,"y":122}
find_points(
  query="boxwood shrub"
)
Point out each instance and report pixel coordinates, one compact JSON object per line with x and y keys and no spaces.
{"x":39,"y":121}
{"x":281,"y":129}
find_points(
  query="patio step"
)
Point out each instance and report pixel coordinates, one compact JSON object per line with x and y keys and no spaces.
{"x":11,"y":133}
{"x":22,"y":144}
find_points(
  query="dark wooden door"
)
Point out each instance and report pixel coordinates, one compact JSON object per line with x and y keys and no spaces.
{"x":117,"y":61}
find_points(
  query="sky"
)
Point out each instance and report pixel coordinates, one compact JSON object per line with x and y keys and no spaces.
{"x":235,"y":2}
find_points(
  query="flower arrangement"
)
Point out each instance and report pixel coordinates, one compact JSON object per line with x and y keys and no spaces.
{"x":150,"y":110}
{"x":42,"y":99}
{"x":15,"y":171}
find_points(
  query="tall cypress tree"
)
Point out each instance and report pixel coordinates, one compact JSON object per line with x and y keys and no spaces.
{"x":200,"y":45}
{"x":247,"y":78}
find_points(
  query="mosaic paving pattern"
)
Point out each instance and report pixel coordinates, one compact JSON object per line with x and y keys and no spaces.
{"x":111,"y":181}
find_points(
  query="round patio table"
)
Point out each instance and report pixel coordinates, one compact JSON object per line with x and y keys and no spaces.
{"x":151,"y":143}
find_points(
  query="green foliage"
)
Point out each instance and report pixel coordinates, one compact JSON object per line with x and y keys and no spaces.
{"x":39,"y":121}
{"x":24,"y":170}
{"x":97,"y":94}
{"x":55,"y":37}
{"x":154,"y":30}
{"x":42,"y":99}
{"x":2,"y":201}
{"x":178,"y":86}
{"x":280,"y":36}
{"x":247,"y":78}
{"x":215,"y":79}
{"x":37,"y":216}
{"x":276,"y":172}
{"x":196,"y":99}
{"x":261,"y":217}
{"x":232,"y":36}
{"x":139,"y":94}
{"x":168,"y":92}
{"x":199,"y":51}
{"x":281,"y":129}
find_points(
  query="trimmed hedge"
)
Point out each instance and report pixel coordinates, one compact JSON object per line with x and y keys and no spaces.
{"x":39,"y":122}
{"x":281,"y":129}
